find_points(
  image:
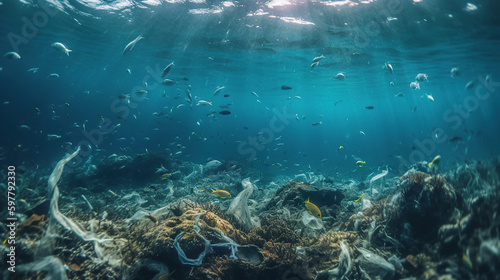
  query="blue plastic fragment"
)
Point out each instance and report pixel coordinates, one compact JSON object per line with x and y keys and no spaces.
{"x":182,"y":256}
{"x":198,"y":261}
{"x":233,"y":246}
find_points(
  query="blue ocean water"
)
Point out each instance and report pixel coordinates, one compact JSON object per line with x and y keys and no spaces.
{"x":253,"y":47}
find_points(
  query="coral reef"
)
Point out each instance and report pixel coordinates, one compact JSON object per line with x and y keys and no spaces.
{"x":424,"y":225}
{"x":274,"y":229}
{"x":426,"y":202}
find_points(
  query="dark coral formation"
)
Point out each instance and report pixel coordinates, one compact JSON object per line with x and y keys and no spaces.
{"x":294,"y":193}
{"x":426,"y":203}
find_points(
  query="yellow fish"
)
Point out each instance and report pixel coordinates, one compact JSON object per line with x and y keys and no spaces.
{"x":341,"y":147}
{"x":357,"y":200}
{"x":435,"y":161}
{"x":466,"y":260}
{"x":165,"y":176}
{"x":112,"y":192}
{"x":141,"y":91}
{"x":360,"y":163}
{"x":166,"y":276}
{"x":222,"y":193}
{"x":201,"y":190}
{"x":313,"y":209}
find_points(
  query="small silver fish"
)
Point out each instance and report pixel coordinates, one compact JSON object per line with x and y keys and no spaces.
{"x":470,"y":84}
{"x":168,"y":82}
{"x":203,"y":103}
{"x":53,"y":136}
{"x":340,"y":77}
{"x":190,"y":97}
{"x":167,"y":69}
{"x":131,"y":45}
{"x":421,"y":77}
{"x":12,"y":55}
{"x":61,"y":47}
{"x":316,"y":59}
{"x":389,"y":68}
{"x":218,"y":90}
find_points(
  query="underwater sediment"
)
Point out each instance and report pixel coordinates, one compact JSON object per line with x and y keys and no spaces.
{"x":428,"y":223}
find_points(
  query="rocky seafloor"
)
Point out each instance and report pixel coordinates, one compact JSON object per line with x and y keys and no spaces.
{"x":151,"y":217}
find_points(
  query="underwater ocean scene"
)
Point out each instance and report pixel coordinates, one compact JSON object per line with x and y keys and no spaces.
{"x":278,"y":139}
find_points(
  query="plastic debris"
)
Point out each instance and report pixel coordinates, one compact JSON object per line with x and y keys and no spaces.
{"x":375,"y":266}
{"x":239,"y":206}
{"x":198,"y":261}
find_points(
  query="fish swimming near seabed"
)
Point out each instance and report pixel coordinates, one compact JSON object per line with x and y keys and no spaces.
{"x":213,"y":164}
{"x":435,"y":161}
{"x":313,"y":209}
{"x":222,"y":193}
